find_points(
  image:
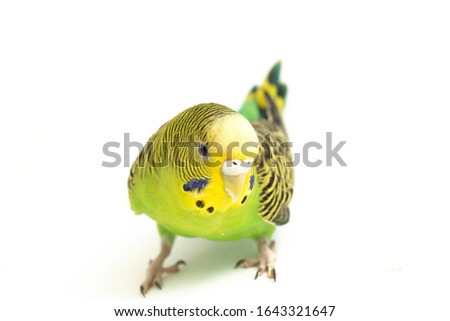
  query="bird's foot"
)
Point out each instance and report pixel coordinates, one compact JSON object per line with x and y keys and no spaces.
{"x":155,"y":274}
{"x":265,"y":262}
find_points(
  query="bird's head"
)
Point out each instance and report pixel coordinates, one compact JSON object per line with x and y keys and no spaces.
{"x":218,"y":163}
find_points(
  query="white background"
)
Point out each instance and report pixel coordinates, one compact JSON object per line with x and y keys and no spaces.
{"x":371,"y":238}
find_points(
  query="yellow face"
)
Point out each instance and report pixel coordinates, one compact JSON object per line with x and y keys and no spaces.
{"x":229,"y":153}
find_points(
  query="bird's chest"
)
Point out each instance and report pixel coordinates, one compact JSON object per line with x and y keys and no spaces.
{"x":204,"y":212}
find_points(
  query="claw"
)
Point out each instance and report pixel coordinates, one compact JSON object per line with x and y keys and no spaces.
{"x":181,"y":262}
{"x":142,"y":291}
{"x":158,"y":285}
{"x":240,"y":262}
{"x":257,"y":273}
{"x":272,"y":273}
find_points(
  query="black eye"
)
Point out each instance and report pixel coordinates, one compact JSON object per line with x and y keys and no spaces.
{"x":203,"y":150}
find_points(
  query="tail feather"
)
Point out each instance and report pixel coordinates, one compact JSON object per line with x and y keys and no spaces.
{"x":256,"y":104}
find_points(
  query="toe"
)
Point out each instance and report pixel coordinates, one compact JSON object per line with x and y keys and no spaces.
{"x":173,"y":268}
{"x":272,"y":245}
{"x":248,"y":263}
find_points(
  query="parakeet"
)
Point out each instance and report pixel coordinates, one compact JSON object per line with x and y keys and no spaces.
{"x":219,"y":174}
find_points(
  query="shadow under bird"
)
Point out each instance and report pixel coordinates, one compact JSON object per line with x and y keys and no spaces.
{"x":219,"y":174}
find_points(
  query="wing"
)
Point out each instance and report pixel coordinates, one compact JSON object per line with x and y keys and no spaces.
{"x":275,"y":172}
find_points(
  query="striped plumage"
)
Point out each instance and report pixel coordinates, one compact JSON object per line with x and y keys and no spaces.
{"x":275,"y":173}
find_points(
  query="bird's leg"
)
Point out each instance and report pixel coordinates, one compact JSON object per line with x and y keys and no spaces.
{"x":156,"y":271}
{"x":265,"y":262}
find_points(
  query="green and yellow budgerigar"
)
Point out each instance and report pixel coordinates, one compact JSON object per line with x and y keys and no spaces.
{"x":215,"y":173}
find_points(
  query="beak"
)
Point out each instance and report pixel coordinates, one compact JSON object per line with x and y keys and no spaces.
{"x":234,"y":174}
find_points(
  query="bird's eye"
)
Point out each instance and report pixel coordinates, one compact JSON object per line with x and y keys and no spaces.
{"x":203,"y":150}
